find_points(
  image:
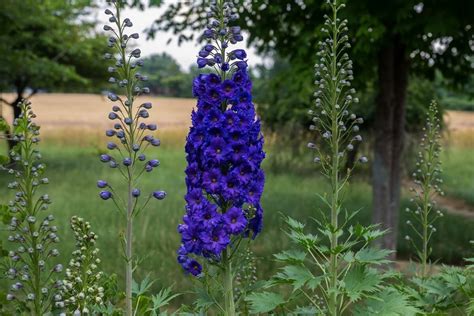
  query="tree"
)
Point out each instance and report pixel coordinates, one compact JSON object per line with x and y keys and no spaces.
{"x":165,"y":76}
{"x":47,"y":44}
{"x":393,"y":39}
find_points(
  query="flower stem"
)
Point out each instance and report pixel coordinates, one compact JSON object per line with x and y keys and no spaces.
{"x":128,"y":252}
{"x":335,"y":186}
{"x":228,"y":286}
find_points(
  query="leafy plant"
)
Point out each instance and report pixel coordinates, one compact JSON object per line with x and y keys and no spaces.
{"x":28,"y":268}
{"x":334,"y":269}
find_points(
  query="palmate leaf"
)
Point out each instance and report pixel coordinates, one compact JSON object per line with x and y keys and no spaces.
{"x":372,"y":256}
{"x":298,"y":276}
{"x":388,"y":302}
{"x":361,"y":281}
{"x":204,"y":301}
{"x":160,"y":300}
{"x":291,"y":256}
{"x":264,"y":302}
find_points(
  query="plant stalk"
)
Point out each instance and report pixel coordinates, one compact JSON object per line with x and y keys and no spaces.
{"x":333,"y":297}
{"x":229,"y":304}
{"x":128,"y":253}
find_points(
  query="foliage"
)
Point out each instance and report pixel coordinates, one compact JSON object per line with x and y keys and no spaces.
{"x":48,"y":44}
{"x":334,"y":269}
{"x":166,"y":78}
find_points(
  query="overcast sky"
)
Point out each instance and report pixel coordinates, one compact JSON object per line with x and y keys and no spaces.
{"x":185,"y":54}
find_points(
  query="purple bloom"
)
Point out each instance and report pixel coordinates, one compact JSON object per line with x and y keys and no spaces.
{"x":136,"y":192}
{"x":215,"y":240}
{"x":235,"y":220}
{"x":228,"y":88}
{"x":212,"y":180}
{"x":224,"y":151}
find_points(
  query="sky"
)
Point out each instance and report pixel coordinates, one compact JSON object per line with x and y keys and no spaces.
{"x":185,"y":54}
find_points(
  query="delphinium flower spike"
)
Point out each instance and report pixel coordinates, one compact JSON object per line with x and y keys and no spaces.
{"x":224,"y":153}
{"x":338,"y":129}
{"x":34,"y":235}
{"x":81,"y":290}
{"x":133,"y":133}
{"x":427,"y":180}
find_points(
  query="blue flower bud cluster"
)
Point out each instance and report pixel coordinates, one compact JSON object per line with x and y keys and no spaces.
{"x":224,"y":153}
{"x":217,"y":30}
{"x":131,"y":134}
{"x":34,"y":235}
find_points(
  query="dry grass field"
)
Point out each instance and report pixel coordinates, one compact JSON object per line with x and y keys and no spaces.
{"x":89,"y":111}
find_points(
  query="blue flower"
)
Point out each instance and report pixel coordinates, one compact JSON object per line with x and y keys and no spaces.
{"x":224,"y":150}
{"x":235,"y":220}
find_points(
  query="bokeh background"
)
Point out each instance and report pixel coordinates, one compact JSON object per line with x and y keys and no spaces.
{"x":406,"y":53}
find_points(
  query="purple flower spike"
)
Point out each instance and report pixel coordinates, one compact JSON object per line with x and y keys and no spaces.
{"x":136,"y":192}
{"x":224,"y":150}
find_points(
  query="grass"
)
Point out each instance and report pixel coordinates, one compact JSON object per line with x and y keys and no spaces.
{"x":73,"y":171}
{"x":458,"y":176}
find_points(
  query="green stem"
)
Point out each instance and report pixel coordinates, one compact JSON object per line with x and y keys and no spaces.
{"x":229,"y":304}
{"x":333,"y":297}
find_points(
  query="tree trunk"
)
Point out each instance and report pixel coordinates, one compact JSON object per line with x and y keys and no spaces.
{"x":389,"y":140}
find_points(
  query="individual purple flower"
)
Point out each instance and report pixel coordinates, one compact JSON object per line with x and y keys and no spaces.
{"x":224,"y":150}
{"x":235,"y":220}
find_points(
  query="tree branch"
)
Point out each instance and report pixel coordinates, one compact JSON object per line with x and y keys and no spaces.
{"x":2,"y":100}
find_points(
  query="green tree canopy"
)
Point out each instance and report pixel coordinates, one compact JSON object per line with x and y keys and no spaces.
{"x":48,"y":44}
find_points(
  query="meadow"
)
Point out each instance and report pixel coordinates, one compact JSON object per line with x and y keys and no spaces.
{"x":71,"y":151}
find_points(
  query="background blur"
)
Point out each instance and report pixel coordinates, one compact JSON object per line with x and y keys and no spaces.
{"x":406,"y":53}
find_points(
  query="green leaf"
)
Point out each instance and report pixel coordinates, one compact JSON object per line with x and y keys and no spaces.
{"x":4,"y":159}
{"x":4,"y":125}
{"x":361,"y":281}
{"x":264,"y":302}
{"x":5,"y":216}
{"x":296,"y":275}
{"x":163,"y":298}
{"x":204,"y":300}
{"x":387,"y":303}
{"x":291,"y":256}
{"x":372,"y":256}
{"x":143,"y":287}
